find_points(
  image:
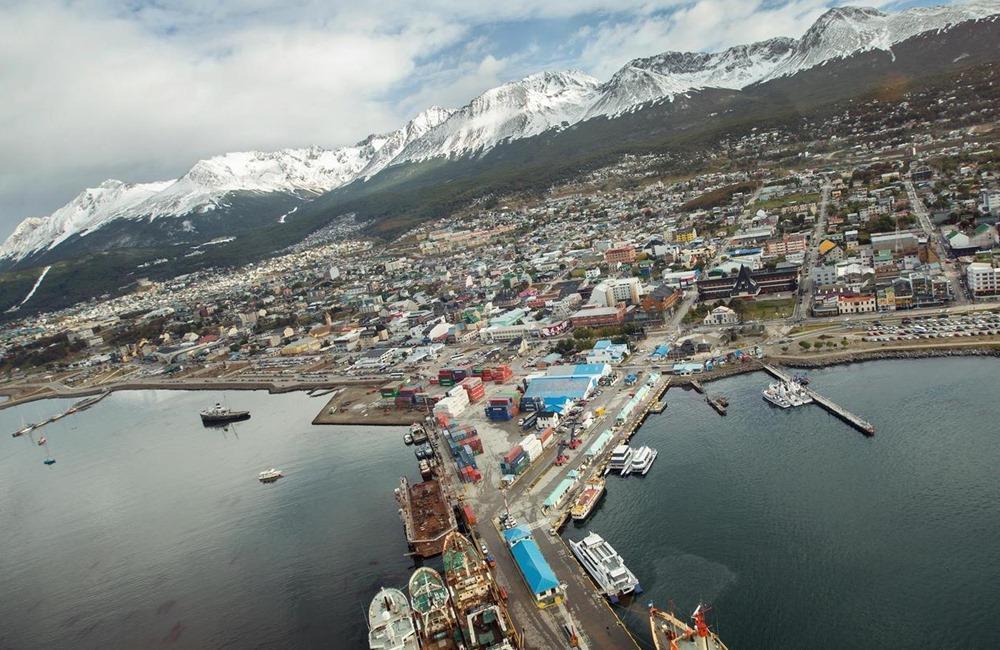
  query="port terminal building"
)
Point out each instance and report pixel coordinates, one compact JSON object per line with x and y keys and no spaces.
{"x":535,"y":570}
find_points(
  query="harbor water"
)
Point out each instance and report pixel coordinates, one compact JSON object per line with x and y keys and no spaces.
{"x":802,"y":533}
{"x":152,"y":530}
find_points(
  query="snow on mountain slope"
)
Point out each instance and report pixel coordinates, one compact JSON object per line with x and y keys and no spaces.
{"x":204,"y":186}
{"x":89,"y":210}
{"x":671,"y":73}
{"x":518,"y":109}
{"x":843,"y":31}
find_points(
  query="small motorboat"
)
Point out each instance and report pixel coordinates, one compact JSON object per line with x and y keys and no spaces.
{"x":408,"y":438}
{"x":49,"y":461}
{"x":269,"y":475}
{"x":42,"y":441}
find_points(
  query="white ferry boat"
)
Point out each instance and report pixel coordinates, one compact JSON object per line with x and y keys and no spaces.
{"x":606,"y":567}
{"x":390,"y":622}
{"x":621,"y":459}
{"x":642,"y":460}
{"x":269,"y":475}
{"x":786,"y":394}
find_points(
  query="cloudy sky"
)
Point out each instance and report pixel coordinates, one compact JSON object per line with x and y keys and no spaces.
{"x":140,"y":89}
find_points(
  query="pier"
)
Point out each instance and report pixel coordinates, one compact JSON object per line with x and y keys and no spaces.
{"x":855,"y":421}
{"x":718,"y":403}
{"x":82,"y":405}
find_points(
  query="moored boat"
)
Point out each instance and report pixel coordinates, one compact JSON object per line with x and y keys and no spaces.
{"x":621,"y":459}
{"x":671,"y":633}
{"x":437,"y":625}
{"x":605,"y":567}
{"x":482,"y":616}
{"x":390,"y":624}
{"x":427,"y":515}
{"x":592,"y":492}
{"x":269,"y":475}
{"x":418,"y":433}
{"x":219,"y":414}
{"x":642,"y":460}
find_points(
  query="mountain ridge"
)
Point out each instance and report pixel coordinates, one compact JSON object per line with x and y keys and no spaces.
{"x":514,"y":110}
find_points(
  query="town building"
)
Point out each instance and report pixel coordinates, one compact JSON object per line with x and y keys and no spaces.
{"x":983,"y":279}
{"x":721,"y":315}
{"x":856,"y":304}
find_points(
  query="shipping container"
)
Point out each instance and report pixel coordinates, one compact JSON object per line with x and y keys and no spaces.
{"x":513,"y":454}
{"x":470,"y":515}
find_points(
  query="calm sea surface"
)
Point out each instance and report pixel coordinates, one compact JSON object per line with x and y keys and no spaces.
{"x":802,"y":533}
{"x":151,"y":530}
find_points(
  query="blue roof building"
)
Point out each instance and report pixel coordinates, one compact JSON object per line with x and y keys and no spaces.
{"x":555,"y":392}
{"x":535,"y":571}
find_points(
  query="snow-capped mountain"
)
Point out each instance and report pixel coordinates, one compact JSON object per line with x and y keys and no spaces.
{"x":514,"y":110}
{"x":844,"y":31}
{"x":519,"y":109}
{"x":671,"y":73}
{"x":308,"y":171}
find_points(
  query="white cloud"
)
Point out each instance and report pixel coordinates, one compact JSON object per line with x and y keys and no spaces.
{"x":113,"y":88}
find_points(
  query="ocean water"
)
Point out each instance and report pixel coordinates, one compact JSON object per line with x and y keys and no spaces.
{"x":802,"y":533}
{"x":151,"y":530}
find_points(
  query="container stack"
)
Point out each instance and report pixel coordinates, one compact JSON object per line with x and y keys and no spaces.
{"x":502,"y":408}
{"x":389,"y":391}
{"x":532,"y":446}
{"x":405,"y":397}
{"x":475,"y":388}
{"x":446,"y":377}
{"x":500,"y":374}
{"x":547,"y":437}
{"x":456,"y":401}
{"x":529,"y":404}
{"x":515,"y":461}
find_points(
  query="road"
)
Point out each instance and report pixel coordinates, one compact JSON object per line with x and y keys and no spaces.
{"x":803,"y":301}
{"x":936,"y":239}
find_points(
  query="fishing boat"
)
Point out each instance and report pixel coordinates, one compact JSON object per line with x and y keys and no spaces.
{"x":269,"y":475}
{"x":592,"y":492}
{"x":219,"y":414}
{"x":605,"y":567}
{"x":390,"y":624}
{"x":477,"y":599}
{"x":418,"y":433}
{"x":407,"y":438}
{"x":671,"y":633}
{"x":437,"y":625}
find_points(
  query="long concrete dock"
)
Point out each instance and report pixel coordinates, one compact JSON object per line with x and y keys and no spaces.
{"x":855,"y":421}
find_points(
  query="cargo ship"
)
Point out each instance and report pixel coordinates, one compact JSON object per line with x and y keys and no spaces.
{"x":671,"y":633}
{"x":482,"y":615}
{"x":592,"y":492}
{"x":427,"y":516}
{"x":390,"y":624}
{"x":437,"y":625}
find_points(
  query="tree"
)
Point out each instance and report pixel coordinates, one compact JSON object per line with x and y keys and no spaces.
{"x":805,"y":345}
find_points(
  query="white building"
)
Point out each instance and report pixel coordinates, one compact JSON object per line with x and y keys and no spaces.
{"x":721,"y":315}
{"x":856,"y":304}
{"x":983,"y":279}
{"x":613,"y":291}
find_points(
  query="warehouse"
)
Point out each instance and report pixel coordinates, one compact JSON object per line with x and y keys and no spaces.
{"x":553,"y":393}
{"x":535,"y":571}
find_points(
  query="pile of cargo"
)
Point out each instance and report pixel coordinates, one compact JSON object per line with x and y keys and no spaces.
{"x":502,"y":408}
{"x":474,"y":387}
{"x":516,"y":461}
{"x":499,"y":375}
{"x":464,"y":445}
{"x":448,"y":377}
{"x":453,"y":403}
{"x":406,"y":395}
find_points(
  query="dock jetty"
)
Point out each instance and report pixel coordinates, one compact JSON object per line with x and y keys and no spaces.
{"x":855,"y":421}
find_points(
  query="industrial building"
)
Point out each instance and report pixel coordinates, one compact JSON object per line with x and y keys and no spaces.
{"x":535,"y":570}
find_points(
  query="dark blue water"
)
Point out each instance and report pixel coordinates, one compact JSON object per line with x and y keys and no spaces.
{"x":804,"y":534}
{"x":152,"y":530}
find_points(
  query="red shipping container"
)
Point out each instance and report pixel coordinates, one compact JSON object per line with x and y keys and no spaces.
{"x":513,"y":454}
{"x":470,"y":516}
{"x":487,"y":375}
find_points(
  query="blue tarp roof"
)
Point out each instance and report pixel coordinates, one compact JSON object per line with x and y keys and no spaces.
{"x":536,"y":571}
{"x":603,"y":343}
{"x":593,"y":369}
